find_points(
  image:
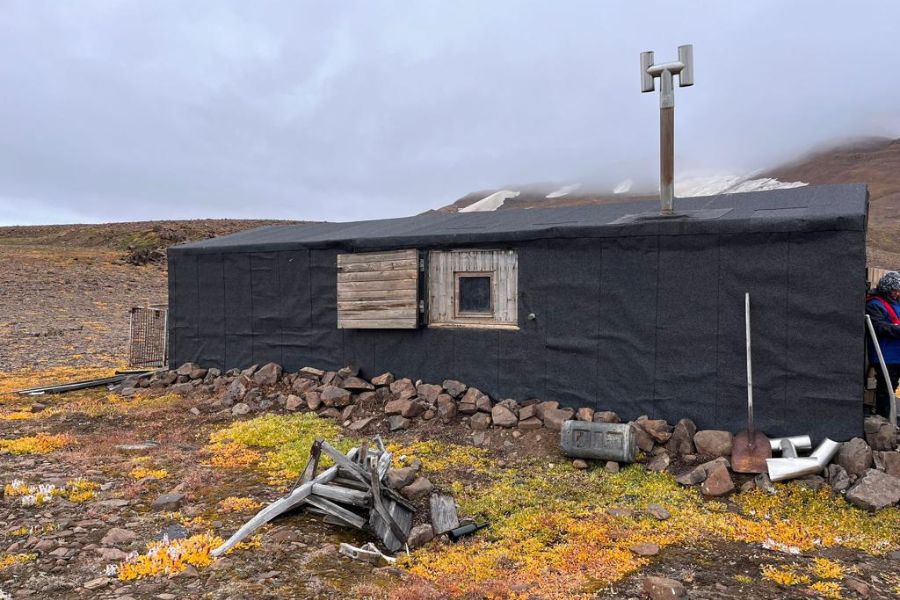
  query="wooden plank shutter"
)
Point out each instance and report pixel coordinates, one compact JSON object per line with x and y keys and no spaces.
{"x":378,"y":290}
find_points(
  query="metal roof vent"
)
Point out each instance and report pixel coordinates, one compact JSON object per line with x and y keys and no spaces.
{"x":684,"y":68}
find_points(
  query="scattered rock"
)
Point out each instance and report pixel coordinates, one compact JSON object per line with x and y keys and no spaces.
{"x":118,"y":536}
{"x":502,"y":416}
{"x":335,"y":396}
{"x":555,"y":417}
{"x":110,"y":555}
{"x":659,"y":462}
{"x":857,"y":585}
{"x":268,"y":374}
{"x":875,"y":490}
{"x":879,"y":433}
{"x":398,"y":423}
{"x":657,"y":428}
{"x":400,"y":478}
{"x":419,"y":488}
{"x":293,"y":402}
{"x":585,"y":413}
{"x":420,"y":535}
{"x":713,"y":442}
{"x":170,"y":502}
{"x":429,"y":392}
{"x":313,"y":400}
{"x":658,"y":512}
{"x":762,"y":482}
{"x":645,"y":549}
{"x":837,"y":477}
{"x":480,"y":421}
{"x":611,"y":466}
{"x":37,"y":407}
{"x":96,"y":583}
{"x":718,"y":481}
{"x":446,"y":407}
{"x":241,"y":408}
{"x":357,"y":384}
{"x":682,"y":440}
{"x":455,"y":388}
{"x":540,"y":407}
{"x":530,"y":424}
{"x":663,"y":588}
{"x":348,"y":371}
{"x":403,"y":388}
{"x":606,"y":416}
{"x":855,"y":456}
{"x":580,"y":464}
{"x":527,"y":412}
{"x":383,"y":380}
{"x":360,"y":424}
{"x":890,"y":462}
{"x":642,"y":439}
{"x":311,"y":373}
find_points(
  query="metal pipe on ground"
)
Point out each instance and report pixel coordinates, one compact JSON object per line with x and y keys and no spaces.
{"x":781,"y":469}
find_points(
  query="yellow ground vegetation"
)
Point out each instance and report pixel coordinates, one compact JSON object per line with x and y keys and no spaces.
{"x":280,"y":443}
{"x":168,"y":557}
{"x":76,"y":490}
{"x":41,"y":443}
{"x":8,"y":560}
{"x":439,"y":456}
{"x":552,"y":528}
{"x":238,"y":504}
{"x":145,"y":473}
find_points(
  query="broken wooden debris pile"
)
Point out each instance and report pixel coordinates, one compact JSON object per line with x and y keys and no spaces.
{"x":351,"y":493}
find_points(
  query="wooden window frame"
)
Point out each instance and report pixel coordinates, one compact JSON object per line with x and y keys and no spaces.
{"x":460,"y":314}
{"x":446,"y":267}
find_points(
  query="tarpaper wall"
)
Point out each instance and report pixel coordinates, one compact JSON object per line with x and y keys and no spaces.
{"x":645,"y":324}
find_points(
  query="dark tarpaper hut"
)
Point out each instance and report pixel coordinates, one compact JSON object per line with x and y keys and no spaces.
{"x":607,"y":306}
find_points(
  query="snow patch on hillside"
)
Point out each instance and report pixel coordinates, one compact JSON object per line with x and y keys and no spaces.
{"x":563,"y":191}
{"x":729,"y":184}
{"x":492,"y":202}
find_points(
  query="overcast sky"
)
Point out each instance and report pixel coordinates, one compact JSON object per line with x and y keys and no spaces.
{"x":134,"y":110}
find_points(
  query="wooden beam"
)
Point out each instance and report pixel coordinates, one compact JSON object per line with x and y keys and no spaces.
{"x":343,"y":495}
{"x":339,"y":512}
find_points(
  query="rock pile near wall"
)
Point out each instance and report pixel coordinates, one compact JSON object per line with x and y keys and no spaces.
{"x":866,"y":471}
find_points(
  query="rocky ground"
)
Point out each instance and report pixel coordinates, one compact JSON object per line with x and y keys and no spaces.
{"x":193,"y":453}
{"x":93,"y":480}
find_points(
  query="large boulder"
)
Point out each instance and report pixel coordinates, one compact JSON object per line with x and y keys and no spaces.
{"x":718,"y":481}
{"x":455,"y":388}
{"x":713,"y":442}
{"x":682,"y":440}
{"x":875,"y":490}
{"x":268,"y":374}
{"x":429,"y":392}
{"x":502,"y":416}
{"x":357,"y":384}
{"x":334,"y":396}
{"x":555,"y":417}
{"x":855,"y":456}
{"x":403,"y":388}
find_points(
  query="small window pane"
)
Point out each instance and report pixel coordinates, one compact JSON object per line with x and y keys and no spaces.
{"x":475,"y":294}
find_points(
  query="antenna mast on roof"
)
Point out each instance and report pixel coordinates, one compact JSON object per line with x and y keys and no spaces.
{"x":684,"y":68}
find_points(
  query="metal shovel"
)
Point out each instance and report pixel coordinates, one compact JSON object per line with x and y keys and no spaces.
{"x":751,"y":448}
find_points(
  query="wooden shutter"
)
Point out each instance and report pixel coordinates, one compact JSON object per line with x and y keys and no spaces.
{"x":378,"y":290}
{"x":444,"y":268}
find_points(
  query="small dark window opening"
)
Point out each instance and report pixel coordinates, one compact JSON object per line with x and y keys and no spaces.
{"x":474,"y":294}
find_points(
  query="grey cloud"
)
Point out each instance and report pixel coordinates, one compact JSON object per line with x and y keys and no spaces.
{"x":138,"y":110}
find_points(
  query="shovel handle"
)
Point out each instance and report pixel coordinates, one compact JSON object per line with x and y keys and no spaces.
{"x":749,"y":366}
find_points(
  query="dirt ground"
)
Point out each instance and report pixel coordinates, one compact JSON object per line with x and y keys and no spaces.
{"x":65,"y":309}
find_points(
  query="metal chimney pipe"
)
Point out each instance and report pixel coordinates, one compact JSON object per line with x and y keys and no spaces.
{"x":684,"y":68}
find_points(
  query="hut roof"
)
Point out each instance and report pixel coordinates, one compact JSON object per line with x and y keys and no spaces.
{"x":808,"y":208}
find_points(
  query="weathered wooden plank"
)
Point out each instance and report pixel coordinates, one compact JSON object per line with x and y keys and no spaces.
{"x":371,"y":286}
{"x":387,"y":295}
{"x":366,"y":257}
{"x":443,"y":513}
{"x":343,"y":495}
{"x":376,"y":276}
{"x":401,"y":515}
{"x":350,"y":517}
{"x":380,"y":265}
{"x":376,"y":304}
{"x":393,"y":313}
{"x":377,"y":324}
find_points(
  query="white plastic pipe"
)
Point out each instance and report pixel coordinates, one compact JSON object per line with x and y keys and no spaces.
{"x":781,"y":469}
{"x":800,"y":442}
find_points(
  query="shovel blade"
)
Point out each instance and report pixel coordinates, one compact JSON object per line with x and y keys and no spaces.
{"x":749,"y":452}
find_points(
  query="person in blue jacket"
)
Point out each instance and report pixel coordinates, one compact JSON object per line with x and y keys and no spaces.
{"x":883,"y":307}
